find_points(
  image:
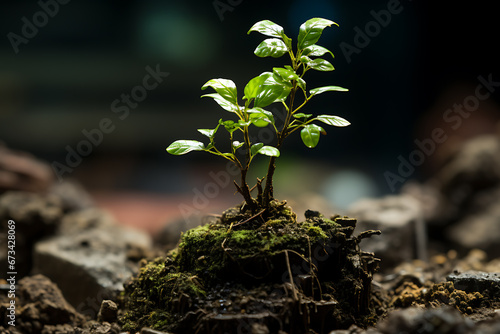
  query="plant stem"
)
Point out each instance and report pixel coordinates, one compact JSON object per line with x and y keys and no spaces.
{"x":268,"y":195}
{"x":244,"y":189}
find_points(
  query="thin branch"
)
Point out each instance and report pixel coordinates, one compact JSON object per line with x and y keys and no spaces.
{"x":249,"y":219}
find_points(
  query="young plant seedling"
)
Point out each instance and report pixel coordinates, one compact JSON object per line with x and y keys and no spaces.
{"x":285,"y":85}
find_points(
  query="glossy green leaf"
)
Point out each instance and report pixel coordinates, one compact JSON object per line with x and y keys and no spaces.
{"x":269,"y":151}
{"x":288,"y":41}
{"x":284,"y":94}
{"x":285,"y":74}
{"x":237,"y":144}
{"x":301,"y":115}
{"x":180,"y":147}
{"x":269,"y":115}
{"x":225,"y":104}
{"x":310,"y":135}
{"x":270,"y":91}
{"x":333,"y":120}
{"x":311,"y":30}
{"x":243,"y":123}
{"x":320,"y":65}
{"x":267,"y":28}
{"x":301,"y":83}
{"x":255,"y":148}
{"x":271,"y":47}
{"x":320,"y":90}
{"x":226,"y":88}
{"x":230,"y":126}
{"x":252,"y":88}
{"x":315,"y":51}
{"x":207,"y":132}
{"x":260,"y":120}
{"x":305,"y":59}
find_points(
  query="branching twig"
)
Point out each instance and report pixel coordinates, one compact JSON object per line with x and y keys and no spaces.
{"x":249,"y":219}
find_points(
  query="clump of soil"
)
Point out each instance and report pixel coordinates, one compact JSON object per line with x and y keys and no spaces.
{"x":245,"y":270}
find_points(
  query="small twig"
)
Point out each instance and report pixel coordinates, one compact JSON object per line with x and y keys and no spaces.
{"x":291,"y":277}
{"x":249,"y":219}
{"x":238,"y":189}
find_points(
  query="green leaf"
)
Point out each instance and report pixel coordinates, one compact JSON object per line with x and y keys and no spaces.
{"x":260,"y":120}
{"x":252,"y":87}
{"x":268,"y":28}
{"x":333,"y":120}
{"x":255,"y":148}
{"x":302,"y":84}
{"x":243,"y":123}
{"x":305,"y":59}
{"x":310,"y":135}
{"x":207,"y":132}
{"x":270,"y":91}
{"x":288,"y":41}
{"x":237,"y":144}
{"x":225,"y":104}
{"x":320,"y":90}
{"x":230,"y":126}
{"x":316,"y":51}
{"x":267,"y":113}
{"x":320,"y":65}
{"x":181,"y":147}
{"x":271,"y":47}
{"x":311,"y":30}
{"x":285,"y":74}
{"x":269,"y":151}
{"x":301,"y":115}
{"x":226,"y":88}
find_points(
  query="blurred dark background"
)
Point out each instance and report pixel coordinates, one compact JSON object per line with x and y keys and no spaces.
{"x":64,"y":79}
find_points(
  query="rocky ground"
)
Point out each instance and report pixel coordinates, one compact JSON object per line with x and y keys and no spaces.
{"x":439,"y":251}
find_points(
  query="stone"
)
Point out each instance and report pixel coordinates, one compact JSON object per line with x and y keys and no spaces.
{"x":21,"y":171}
{"x":477,"y":281}
{"x":94,"y":327}
{"x":72,"y":194}
{"x":479,"y":230}
{"x":44,"y":306}
{"x":91,"y":249}
{"x":259,"y":329}
{"x":108,"y":311}
{"x":475,"y":167}
{"x":147,"y":330}
{"x":443,"y":320}
{"x":403,"y":235}
{"x":35,"y":216}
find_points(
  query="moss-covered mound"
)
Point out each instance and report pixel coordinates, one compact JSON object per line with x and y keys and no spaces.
{"x":264,"y":269}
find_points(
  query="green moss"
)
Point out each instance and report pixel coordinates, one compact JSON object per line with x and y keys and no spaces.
{"x":211,"y":251}
{"x":157,"y":294}
{"x":250,"y":251}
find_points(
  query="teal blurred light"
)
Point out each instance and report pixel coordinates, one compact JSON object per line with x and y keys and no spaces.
{"x":176,"y":35}
{"x":345,"y":187}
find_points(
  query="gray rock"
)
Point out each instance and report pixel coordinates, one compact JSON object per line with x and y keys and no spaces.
{"x":108,"y":311}
{"x":444,"y":320}
{"x":89,"y":259}
{"x":72,"y":194}
{"x":403,"y":230}
{"x":475,"y":167}
{"x":480,"y":230}
{"x":23,"y":172}
{"x":490,"y":326}
{"x":477,"y":281}
{"x":146,"y":330}
{"x":35,"y":216}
